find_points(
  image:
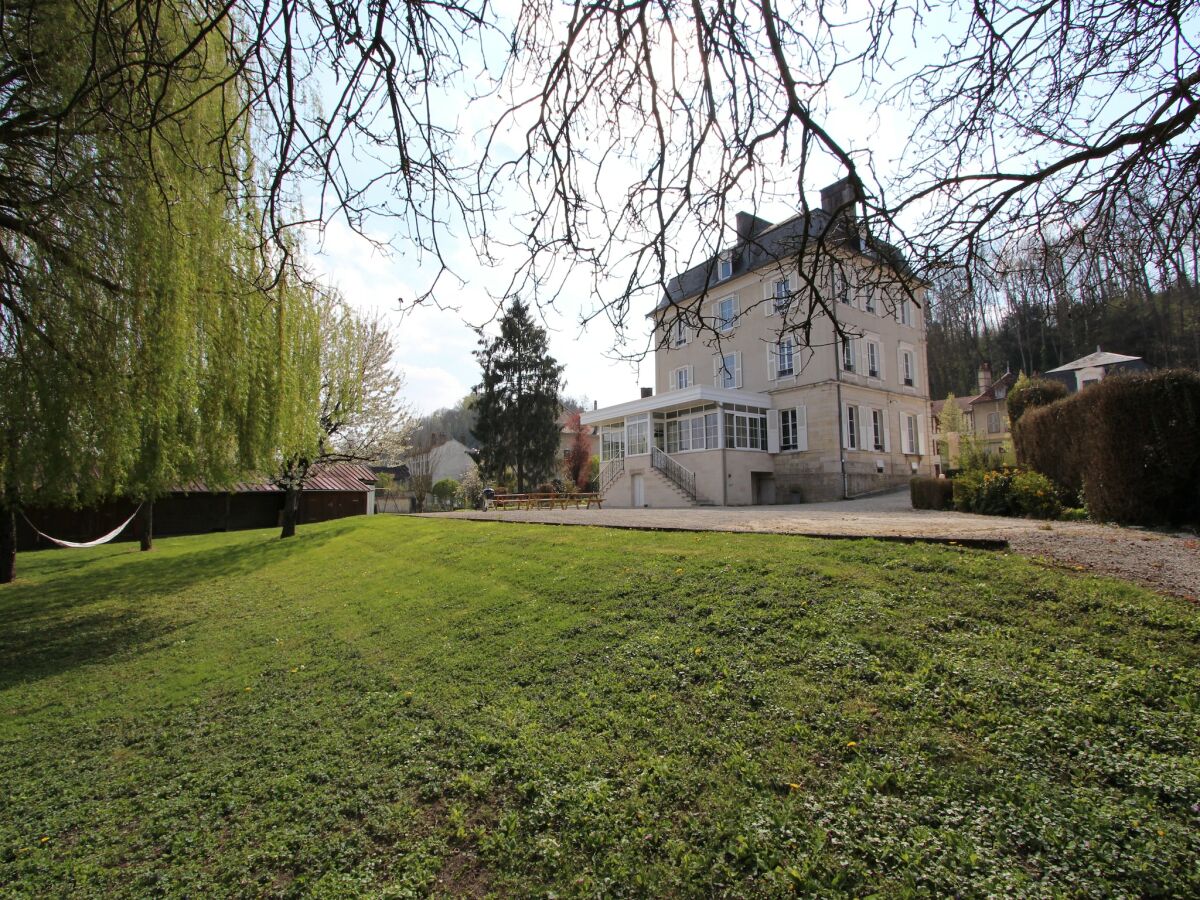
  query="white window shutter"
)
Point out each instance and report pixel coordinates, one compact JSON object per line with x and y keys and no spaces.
{"x":887,"y":433}
{"x":690,"y":376}
{"x":772,"y":431}
{"x":737,"y":372}
{"x":920,"y":434}
{"x":866,"y":440}
{"x":801,"y":428}
{"x":717,"y":370}
{"x":772,"y":362}
{"x":845,"y":427}
{"x":769,"y":296}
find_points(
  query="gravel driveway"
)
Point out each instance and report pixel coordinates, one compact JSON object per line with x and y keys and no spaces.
{"x":1165,"y":562}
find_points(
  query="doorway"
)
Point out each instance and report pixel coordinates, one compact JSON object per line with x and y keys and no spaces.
{"x":639,"y":490}
{"x":762,"y":488}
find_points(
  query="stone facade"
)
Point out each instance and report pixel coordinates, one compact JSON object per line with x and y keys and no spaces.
{"x":846,"y":412}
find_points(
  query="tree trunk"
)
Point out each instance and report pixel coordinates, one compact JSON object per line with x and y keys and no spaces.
{"x":146,"y":520}
{"x":8,"y":542}
{"x":291,"y":505}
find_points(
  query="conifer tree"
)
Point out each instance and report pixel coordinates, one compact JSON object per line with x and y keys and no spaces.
{"x":518,"y":405}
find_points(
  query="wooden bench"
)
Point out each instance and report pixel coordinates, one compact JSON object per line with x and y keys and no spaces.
{"x":545,"y":501}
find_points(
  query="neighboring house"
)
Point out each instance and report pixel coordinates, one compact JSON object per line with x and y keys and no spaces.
{"x":764,"y":419}
{"x":448,"y":458}
{"x":333,"y":491}
{"x":1094,"y":367}
{"x":985,"y":416}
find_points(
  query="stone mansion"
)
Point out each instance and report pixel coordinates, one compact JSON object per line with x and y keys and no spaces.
{"x":748,"y":407}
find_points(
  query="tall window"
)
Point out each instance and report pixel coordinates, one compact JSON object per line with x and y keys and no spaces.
{"x":783,"y":293}
{"x":877,"y":428}
{"x":726,"y":312}
{"x":787,"y":430}
{"x":910,"y":434}
{"x":612,"y":442}
{"x":841,"y":286}
{"x":784,"y":358}
{"x":847,"y":354}
{"x":870,"y":300}
{"x":681,"y":377}
{"x":873,"y":359}
{"x":689,"y":429}
{"x":746,"y":429}
{"x":904,"y":313}
{"x":851,"y":427}
{"x":994,"y":423}
{"x":907,"y":367}
{"x":637,"y":435}
{"x":727,"y":371}
{"x":680,"y":332}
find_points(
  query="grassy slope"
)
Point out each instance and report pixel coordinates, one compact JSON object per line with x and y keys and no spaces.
{"x":391,"y":706}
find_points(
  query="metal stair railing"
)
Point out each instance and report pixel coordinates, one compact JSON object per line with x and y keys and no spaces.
{"x":612,"y":470}
{"x":684,"y":479}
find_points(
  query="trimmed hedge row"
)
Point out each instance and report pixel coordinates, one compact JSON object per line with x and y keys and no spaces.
{"x":931,"y":493}
{"x":1030,"y":393}
{"x":1130,"y":445}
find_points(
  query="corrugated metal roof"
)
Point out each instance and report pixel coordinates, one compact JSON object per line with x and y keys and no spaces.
{"x":341,"y":476}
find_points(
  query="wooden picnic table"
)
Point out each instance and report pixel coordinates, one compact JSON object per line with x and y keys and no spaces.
{"x":545,"y":501}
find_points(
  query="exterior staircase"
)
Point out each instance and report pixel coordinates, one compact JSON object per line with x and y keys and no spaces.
{"x":668,"y":476}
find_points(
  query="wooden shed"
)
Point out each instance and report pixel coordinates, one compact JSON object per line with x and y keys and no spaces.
{"x":334,"y":491}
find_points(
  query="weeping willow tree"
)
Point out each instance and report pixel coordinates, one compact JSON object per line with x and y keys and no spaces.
{"x":143,"y":343}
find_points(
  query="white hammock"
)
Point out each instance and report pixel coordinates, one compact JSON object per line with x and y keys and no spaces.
{"x":73,"y":544}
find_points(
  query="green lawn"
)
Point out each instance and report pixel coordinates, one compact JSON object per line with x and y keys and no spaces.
{"x":392,"y":706}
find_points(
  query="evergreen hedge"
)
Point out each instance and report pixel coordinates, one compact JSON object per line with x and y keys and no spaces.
{"x":1029,"y":393}
{"x":931,"y":493}
{"x":1130,"y":445}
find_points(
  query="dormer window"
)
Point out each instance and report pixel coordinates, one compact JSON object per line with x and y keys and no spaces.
{"x":725,"y":266}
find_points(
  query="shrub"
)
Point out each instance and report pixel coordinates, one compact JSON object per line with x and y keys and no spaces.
{"x":1029,"y":393}
{"x":931,"y":493}
{"x":470,"y":489}
{"x":984,"y":491}
{"x":1033,"y":495}
{"x":1006,"y":492}
{"x":1128,"y":444}
{"x":444,"y":492}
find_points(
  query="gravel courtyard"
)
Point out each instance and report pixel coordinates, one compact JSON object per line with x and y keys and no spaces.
{"x":1163,"y":561}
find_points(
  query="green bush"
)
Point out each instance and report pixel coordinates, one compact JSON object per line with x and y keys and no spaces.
{"x":1127,"y":445}
{"x":444,"y":492}
{"x":1029,"y":393}
{"x":1006,"y":492}
{"x":931,"y":493}
{"x":1033,"y":495}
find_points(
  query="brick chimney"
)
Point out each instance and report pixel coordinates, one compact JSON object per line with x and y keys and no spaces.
{"x":985,"y":376}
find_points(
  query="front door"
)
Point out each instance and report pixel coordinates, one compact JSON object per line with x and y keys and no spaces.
{"x":639,"y":491}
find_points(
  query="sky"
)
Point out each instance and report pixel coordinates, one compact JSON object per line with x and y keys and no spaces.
{"x":435,"y":345}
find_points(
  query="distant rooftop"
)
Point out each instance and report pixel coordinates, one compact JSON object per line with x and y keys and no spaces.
{"x":1099,"y":358}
